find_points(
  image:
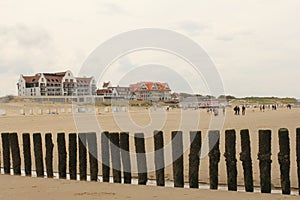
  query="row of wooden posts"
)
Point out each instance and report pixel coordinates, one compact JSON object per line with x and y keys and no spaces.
{"x":86,"y":144}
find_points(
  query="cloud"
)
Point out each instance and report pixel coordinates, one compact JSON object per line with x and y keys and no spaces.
{"x":227,"y":37}
{"x":112,"y":9}
{"x":23,"y":47}
{"x":193,"y":28}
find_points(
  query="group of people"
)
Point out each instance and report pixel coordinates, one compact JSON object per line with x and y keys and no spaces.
{"x":237,"y":110}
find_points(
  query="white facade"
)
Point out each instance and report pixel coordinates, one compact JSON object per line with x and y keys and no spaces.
{"x":56,"y":84}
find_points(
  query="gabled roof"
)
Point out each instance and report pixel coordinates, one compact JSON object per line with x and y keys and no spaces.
{"x":32,"y":79}
{"x":105,"y":84}
{"x":53,"y":79}
{"x":83,"y":81}
{"x":150,"y":86}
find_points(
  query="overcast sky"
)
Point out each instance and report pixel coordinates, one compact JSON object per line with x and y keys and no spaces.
{"x":255,"y":44}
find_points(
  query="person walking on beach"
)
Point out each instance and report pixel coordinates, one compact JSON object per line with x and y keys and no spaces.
{"x":243,"y":110}
{"x":238,"y":110}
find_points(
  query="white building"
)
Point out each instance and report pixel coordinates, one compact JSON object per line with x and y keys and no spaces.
{"x":110,"y":91}
{"x":56,"y":84}
{"x":151,"y":91}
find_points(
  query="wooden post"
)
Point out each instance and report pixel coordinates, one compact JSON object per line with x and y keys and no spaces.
{"x":264,"y":157}
{"x":93,"y":155}
{"x":38,"y":154}
{"x":115,"y":156}
{"x":284,"y":160}
{"x":124,"y":144}
{"x":245,"y":157}
{"x":159,"y":158}
{"x":194,"y":158}
{"x":27,"y":153}
{"x":177,"y":156}
{"x":15,"y":152}
{"x":298,"y":156}
{"x":62,"y":156}
{"x":230,"y":157}
{"x":139,"y":141}
{"x":105,"y":156}
{"x":49,"y":155}
{"x":6,"y":152}
{"x":82,"y":156}
{"x":73,"y":156}
{"x":214,"y":158}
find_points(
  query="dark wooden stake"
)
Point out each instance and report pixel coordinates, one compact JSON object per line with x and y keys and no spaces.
{"x":82,"y":156}
{"x":124,"y":144}
{"x":214,"y":158}
{"x":49,"y":155}
{"x":62,"y":156}
{"x":264,"y":157}
{"x":38,"y":154}
{"x":159,"y":158}
{"x":245,"y":157}
{"x":298,"y":156}
{"x":73,"y":156}
{"x":27,"y":153}
{"x":284,"y":160}
{"x":15,"y":152}
{"x":139,"y":141}
{"x":194,"y":158}
{"x":177,"y":156}
{"x":6,"y":152}
{"x":105,"y":156}
{"x":115,"y":156}
{"x":230,"y":157}
{"x":93,"y":155}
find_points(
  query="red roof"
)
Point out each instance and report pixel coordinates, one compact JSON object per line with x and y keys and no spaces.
{"x":103,"y":91}
{"x":105,"y":84}
{"x":53,"y":79}
{"x":32,"y":79}
{"x":83,"y":81}
{"x":150,"y":86}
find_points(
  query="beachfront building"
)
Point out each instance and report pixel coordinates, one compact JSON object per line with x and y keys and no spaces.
{"x":56,"y":84}
{"x":109,"y":91}
{"x":151,"y":91}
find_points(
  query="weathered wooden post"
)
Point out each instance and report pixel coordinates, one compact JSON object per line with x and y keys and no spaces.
{"x":115,"y":156}
{"x":105,"y":156}
{"x":194,"y":158}
{"x":6,"y":152}
{"x":230,"y":157}
{"x":93,"y":155}
{"x":284,"y":160}
{"x":124,"y":144}
{"x":177,"y":156}
{"x":264,"y":157}
{"x":27,"y":153}
{"x":15,"y":152}
{"x":82,"y":156}
{"x":62,"y":155}
{"x":245,"y":157}
{"x":38,"y":154}
{"x":159,"y":158}
{"x":214,"y":158}
{"x":73,"y":156}
{"x":49,"y":155}
{"x":298,"y":155}
{"x":139,"y":141}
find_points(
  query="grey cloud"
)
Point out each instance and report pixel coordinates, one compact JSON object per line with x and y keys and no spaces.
{"x":113,"y":9}
{"x":193,"y":28}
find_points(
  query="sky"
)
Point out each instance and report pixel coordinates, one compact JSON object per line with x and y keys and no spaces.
{"x":254,"y":44}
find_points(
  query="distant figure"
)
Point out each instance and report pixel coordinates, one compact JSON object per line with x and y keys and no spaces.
{"x":235,"y":110}
{"x":224,"y":110}
{"x":238,"y":110}
{"x":260,"y":107}
{"x":215,"y":111}
{"x":289,"y":106}
{"x":263,"y":108}
{"x":243,"y":110}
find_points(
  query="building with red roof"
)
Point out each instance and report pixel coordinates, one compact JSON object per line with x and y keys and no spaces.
{"x":56,"y":84}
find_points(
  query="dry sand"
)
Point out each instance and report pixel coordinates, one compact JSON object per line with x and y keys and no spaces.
{"x":34,"y":188}
{"x":254,"y":120}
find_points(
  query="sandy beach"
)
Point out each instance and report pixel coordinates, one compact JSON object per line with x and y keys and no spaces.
{"x":253,"y":120}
